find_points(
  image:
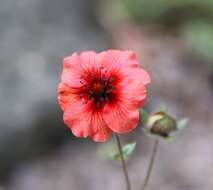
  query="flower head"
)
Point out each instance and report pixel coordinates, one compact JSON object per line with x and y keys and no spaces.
{"x":101,"y":93}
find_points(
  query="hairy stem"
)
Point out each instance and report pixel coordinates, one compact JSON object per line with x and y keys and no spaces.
{"x":128,"y":185}
{"x":151,"y":163}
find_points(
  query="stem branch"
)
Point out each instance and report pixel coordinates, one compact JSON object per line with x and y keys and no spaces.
{"x":128,"y":185}
{"x":150,"y":164}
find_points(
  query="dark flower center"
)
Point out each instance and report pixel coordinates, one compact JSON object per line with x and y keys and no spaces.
{"x":97,"y":87}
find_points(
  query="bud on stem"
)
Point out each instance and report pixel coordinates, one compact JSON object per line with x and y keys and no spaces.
{"x":161,"y":124}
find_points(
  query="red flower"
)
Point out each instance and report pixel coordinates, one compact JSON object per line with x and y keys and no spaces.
{"x":102,"y":92}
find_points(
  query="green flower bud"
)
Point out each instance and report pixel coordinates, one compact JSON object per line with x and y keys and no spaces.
{"x":161,"y":124}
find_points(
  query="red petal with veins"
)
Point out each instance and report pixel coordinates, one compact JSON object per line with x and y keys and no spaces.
{"x":84,"y":122}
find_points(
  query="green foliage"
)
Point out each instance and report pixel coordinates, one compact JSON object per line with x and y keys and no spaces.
{"x":144,"y":116}
{"x":127,"y":151}
{"x":181,"y":123}
{"x":164,"y":11}
{"x":199,"y":35}
{"x":193,"y":17}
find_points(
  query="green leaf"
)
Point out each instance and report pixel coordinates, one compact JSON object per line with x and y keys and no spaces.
{"x":115,"y":156}
{"x":181,"y":123}
{"x":199,"y":35}
{"x":144,"y":116}
{"x":127,"y":151}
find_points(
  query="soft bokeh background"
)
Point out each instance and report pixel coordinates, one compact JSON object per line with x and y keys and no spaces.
{"x":173,"y":40}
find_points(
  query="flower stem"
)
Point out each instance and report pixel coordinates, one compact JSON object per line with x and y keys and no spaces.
{"x":128,"y":185}
{"x":151,"y":163}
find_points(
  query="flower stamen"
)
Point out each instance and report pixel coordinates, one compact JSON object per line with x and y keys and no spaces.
{"x":97,"y":87}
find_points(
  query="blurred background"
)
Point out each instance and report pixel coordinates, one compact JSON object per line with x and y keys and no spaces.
{"x":173,"y":40}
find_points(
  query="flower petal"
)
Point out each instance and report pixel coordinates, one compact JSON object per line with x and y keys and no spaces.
{"x":91,"y":61}
{"x":124,"y":64}
{"x":83,"y":122}
{"x":71,"y":70}
{"x":88,"y":58}
{"x":121,"y":118}
{"x":125,"y":111}
{"x":140,"y":75}
{"x":133,"y":92}
{"x":115,"y":59}
{"x":103,"y":132}
{"x":65,"y":95}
